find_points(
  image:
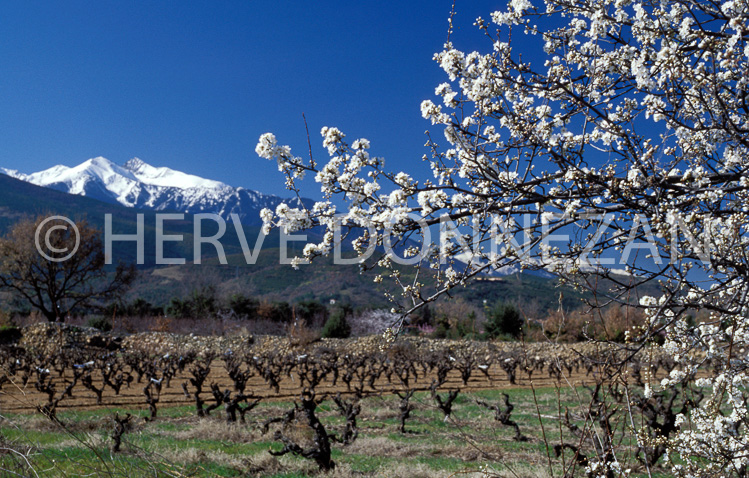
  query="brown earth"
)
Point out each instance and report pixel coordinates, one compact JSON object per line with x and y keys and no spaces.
{"x":15,"y":398}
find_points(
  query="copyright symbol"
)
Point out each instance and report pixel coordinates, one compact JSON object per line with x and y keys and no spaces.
{"x":48,"y":242}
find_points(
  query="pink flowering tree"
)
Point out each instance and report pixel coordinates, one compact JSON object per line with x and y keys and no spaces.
{"x":597,"y":140}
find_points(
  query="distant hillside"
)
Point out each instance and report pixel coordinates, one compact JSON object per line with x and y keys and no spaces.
{"x":267,"y":278}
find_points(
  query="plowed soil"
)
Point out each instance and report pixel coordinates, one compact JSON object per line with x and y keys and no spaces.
{"x":17,"y":398}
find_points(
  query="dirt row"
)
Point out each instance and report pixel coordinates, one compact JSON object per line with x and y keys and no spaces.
{"x":17,"y":398}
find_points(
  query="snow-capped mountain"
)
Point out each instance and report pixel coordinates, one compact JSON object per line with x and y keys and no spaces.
{"x":140,"y":185}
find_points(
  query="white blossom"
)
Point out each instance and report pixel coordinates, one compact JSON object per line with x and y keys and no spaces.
{"x":637,"y":113}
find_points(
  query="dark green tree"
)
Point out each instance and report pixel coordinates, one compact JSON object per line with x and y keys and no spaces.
{"x":504,"y":319}
{"x":244,"y":306}
{"x":311,"y":311}
{"x":142,"y":308}
{"x":200,"y":304}
{"x":337,"y":325}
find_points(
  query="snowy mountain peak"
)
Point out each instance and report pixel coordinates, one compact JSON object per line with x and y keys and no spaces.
{"x":100,"y":161}
{"x":100,"y":167}
{"x":13,"y":173}
{"x":134,"y":164}
{"x":138,"y":184}
{"x":167,"y":177}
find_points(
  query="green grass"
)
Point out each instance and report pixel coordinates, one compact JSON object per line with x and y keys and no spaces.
{"x":180,"y":444}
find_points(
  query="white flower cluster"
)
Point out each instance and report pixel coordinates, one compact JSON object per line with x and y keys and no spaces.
{"x":638,"y":113}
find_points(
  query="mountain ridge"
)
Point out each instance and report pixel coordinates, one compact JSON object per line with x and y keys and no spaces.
{"x":138,"y":184}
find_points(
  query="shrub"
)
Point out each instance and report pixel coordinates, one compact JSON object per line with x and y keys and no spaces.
{"x":9,"y":334}
{"x":311,"y":311}
{"x":275,"y":311}
{"x":300,"y":334}
{"x":178,"y":308}
{"x":142,"y":308}
{"x":200,"y":304}
{"x":137,"y":308}
{"x":101,"y":323}
{"x":337,"y":326}
{"x":504,"y":319}
{"x":442,"y":328}
{"x":454,"y":328}
{"x":243,"y":306}
{"x":580,"y":325}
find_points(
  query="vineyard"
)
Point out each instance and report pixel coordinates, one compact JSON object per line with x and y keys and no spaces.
{"x":58,"y":367}
{"x":311,"y":399}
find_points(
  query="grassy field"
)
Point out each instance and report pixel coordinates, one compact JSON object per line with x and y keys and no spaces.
{"x":180,"y":444}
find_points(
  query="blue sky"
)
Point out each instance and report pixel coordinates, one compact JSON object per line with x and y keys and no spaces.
{"x":192,"y":85}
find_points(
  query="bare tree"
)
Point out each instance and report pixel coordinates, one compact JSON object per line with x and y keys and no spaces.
{"x":444,"y":404}
{"x":58,"y":285}
{"x":319,"y":450}
{"x":349,"y":410}
{"x":502,"y":415}
{"x":121,"y":425}
{"x":405,"y":408}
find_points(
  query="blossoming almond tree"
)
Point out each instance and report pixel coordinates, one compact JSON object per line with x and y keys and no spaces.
{"x":626,"y":131}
